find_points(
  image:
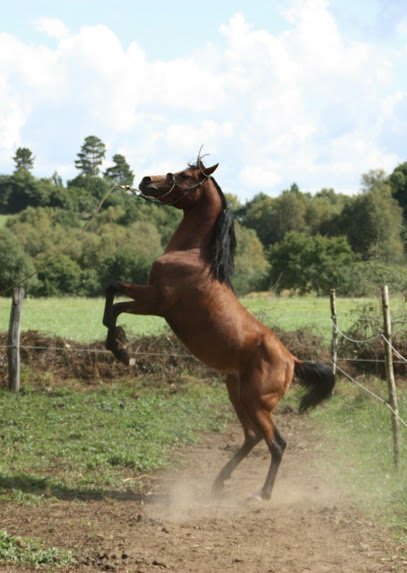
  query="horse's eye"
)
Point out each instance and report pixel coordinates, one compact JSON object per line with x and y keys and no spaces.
{"x":183,"y":176}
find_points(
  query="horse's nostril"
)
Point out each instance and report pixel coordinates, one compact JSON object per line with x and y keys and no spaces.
{"x":145,"y":183}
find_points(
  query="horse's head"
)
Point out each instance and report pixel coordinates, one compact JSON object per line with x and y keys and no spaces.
{"x":181,"y":189}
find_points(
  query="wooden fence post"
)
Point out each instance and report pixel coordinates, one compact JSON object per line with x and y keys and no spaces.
{"x":334,"y":342}
{"x":391,"y":383}
{"x":13,"y":350}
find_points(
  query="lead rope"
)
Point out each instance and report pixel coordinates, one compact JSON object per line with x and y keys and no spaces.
{"x":137,"y":193}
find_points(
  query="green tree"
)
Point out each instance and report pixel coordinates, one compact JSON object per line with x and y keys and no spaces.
{"x":364,"y":278}
{"x":398,"y":183}
{"x":373,"y":179}
{"x":372,"y":223}
{"x":309,"y":263}
{"x":257,"y":214}
{"x":289,"y":214}
{"x":56,"y":179}
{"x":126,"y":254}
{"x":91,"y":156}
{"x":251,"y":266}
{"x":272,"y":218}
{"x":23,"y":159}
{"x":43,"y":231}
{"x":322,"y":210}
{"x":88,"y":187}
{"x":57,"y":276}
{"x":15,"y":263}
{"x":233,"y":202}
{"x":120,"y":172}
{"x":19,"y":190}
{"x":162,"y":217}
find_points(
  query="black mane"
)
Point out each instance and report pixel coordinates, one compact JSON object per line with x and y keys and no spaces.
{"x":223,"y":242}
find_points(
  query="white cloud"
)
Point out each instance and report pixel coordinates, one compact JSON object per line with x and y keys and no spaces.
{"x":53,"y":27}
{"x":305,"y":105}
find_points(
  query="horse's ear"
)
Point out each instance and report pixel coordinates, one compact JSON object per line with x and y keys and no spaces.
{"x":209,"y":170}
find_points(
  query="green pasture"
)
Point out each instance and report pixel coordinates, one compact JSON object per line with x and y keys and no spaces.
{"x":68,"y":443}
{"x":81,"y":318}
{"x":357,"y":436}
{"x":75,"y":318}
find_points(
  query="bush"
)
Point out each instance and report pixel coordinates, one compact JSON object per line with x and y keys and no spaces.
{"x":365,"y":278}
{"x":309,"y":263}
{"x":57,"y":276}
{"x":251,"y":266}
{"x":15,"y":263}
{"x":127,"y":254}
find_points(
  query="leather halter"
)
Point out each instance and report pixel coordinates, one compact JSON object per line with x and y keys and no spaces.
{"x":138,"y":193}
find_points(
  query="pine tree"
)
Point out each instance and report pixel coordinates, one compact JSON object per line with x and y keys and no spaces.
{"x":120,"y":172}
{"x":91,"y":156}
{"x":23,"y":159}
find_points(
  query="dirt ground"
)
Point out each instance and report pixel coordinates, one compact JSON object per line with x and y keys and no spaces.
{"x":309,"y":525}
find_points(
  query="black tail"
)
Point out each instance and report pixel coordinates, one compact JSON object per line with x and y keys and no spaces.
{"x":318,"y":378}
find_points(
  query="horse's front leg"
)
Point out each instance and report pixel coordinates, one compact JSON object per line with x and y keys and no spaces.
{"x":145,"y":302}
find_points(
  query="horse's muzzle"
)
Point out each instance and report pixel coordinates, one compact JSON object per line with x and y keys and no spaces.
{"x":146,"y":186}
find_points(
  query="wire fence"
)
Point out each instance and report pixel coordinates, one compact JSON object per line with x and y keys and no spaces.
{"x":67,"y":347}
{"x":399,"y":357}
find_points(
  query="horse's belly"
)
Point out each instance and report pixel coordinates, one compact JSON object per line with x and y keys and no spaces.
{"x":218,"y":347}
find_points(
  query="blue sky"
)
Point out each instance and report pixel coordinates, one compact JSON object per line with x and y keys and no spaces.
{"x":310,"y":91}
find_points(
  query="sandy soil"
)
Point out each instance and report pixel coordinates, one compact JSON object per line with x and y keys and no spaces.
{"x":309,"y":525}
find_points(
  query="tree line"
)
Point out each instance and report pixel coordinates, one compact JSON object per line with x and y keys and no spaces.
{"x":296,"y":241}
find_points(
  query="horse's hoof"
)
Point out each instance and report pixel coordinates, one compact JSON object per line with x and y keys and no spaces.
{"x":123,"y":356}
{"x":256,"y":498}
{"x":217,"y":489}
{"x":116,"y":342}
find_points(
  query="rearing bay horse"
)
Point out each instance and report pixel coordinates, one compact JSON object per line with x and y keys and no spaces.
{"x":190,"y":287}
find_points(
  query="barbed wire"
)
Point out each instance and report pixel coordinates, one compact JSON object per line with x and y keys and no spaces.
{"x":160,"y":354}
{"x":373,"y":394}
{"x":396,"y":352}
{"x":95,"y":351}
{"x":355,"y":341}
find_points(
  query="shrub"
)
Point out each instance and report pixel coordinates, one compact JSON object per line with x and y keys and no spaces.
{"x":59,"y":275}
{"x":251,"y":266}
{"x":365,"y":278}
{"x":15,"y":263}
{"x":309,"y":263}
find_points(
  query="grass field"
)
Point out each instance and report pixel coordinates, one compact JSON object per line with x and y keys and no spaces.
{"x":81,"y":318}
{"x":75,"y":318}
{"x":104,"y":435}
{"x":360,"y":452}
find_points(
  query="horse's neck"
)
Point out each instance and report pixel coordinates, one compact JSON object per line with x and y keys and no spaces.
{"x":196,"y":228}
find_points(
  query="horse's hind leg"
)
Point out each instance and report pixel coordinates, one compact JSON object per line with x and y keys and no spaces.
{"x":276,"y":447}
{"x":251,"y":436}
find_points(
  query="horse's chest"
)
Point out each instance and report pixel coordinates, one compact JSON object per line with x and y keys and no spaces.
{"x":172,"y":276}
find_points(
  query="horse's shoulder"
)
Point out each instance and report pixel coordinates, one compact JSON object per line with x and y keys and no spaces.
{"x":175,"y":259}
{"x":174,"y":266}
